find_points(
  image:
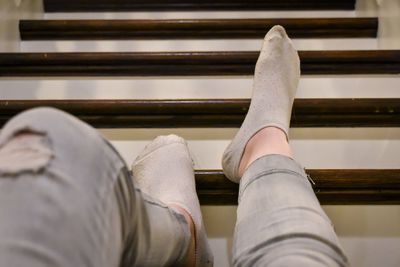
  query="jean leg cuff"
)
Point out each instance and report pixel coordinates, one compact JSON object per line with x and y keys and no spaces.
{"x":269,"y":164}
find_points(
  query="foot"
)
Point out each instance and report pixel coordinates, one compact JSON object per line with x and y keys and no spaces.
{"x":164,"y":170}
{"x":276,"y":78}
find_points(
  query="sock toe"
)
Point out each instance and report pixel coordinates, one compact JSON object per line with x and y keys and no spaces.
{"x":276,"y":31}
{"x":157,"y":143}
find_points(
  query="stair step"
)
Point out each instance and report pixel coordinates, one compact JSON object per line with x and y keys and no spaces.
{"x":190,"y":63}
{"x":205,"y":113}
{"x":332,"y":186}
{"x":194,"y":5}
{"x":195,"y":28}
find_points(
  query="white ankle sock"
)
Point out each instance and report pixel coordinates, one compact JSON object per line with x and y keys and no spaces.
{"x":275,"y":83}
{"x":164,"y":170}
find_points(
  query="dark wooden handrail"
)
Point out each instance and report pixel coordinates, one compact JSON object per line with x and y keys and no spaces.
{"x":190,"y":63}
{"x":164,"y":5}
{"x":195,"y":28}
{"x":376,"y":112}
{"x":332,"y":186}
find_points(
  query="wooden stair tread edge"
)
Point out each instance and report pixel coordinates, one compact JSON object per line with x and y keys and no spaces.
{"x":235,"y":63}
{"x":193,"y":113}
{"x":324,"y":179}
{"x":211,"y":113}
{"x":217,"y":106}
{"x":365,"y":27}
{"x":360,"y":197}
{"x":332,"y":187}
{"x":195,"y":5}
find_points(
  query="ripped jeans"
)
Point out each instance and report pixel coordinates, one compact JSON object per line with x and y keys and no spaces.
{"x":67,"y":199}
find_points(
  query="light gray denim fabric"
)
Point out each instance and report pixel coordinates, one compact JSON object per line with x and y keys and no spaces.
{"x":76,"y":205}
{"x":280,"y":221}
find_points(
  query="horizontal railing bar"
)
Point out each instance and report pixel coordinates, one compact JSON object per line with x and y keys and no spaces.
{"x":190,"y":63}
{"x":196,"y":28}
{"x":203,"y":113}
{"x":194,"y":5}
{"x":332,"y":186}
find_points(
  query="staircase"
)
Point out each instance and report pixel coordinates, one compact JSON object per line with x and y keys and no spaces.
{"x":333,"y":186}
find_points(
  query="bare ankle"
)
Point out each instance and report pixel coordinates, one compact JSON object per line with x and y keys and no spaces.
{"x":269,"y":140}
{"x":190,"y":258}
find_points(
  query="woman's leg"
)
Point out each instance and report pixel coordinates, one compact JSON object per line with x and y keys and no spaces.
{"x":67,"y":199}
{"x":279,"y":220}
